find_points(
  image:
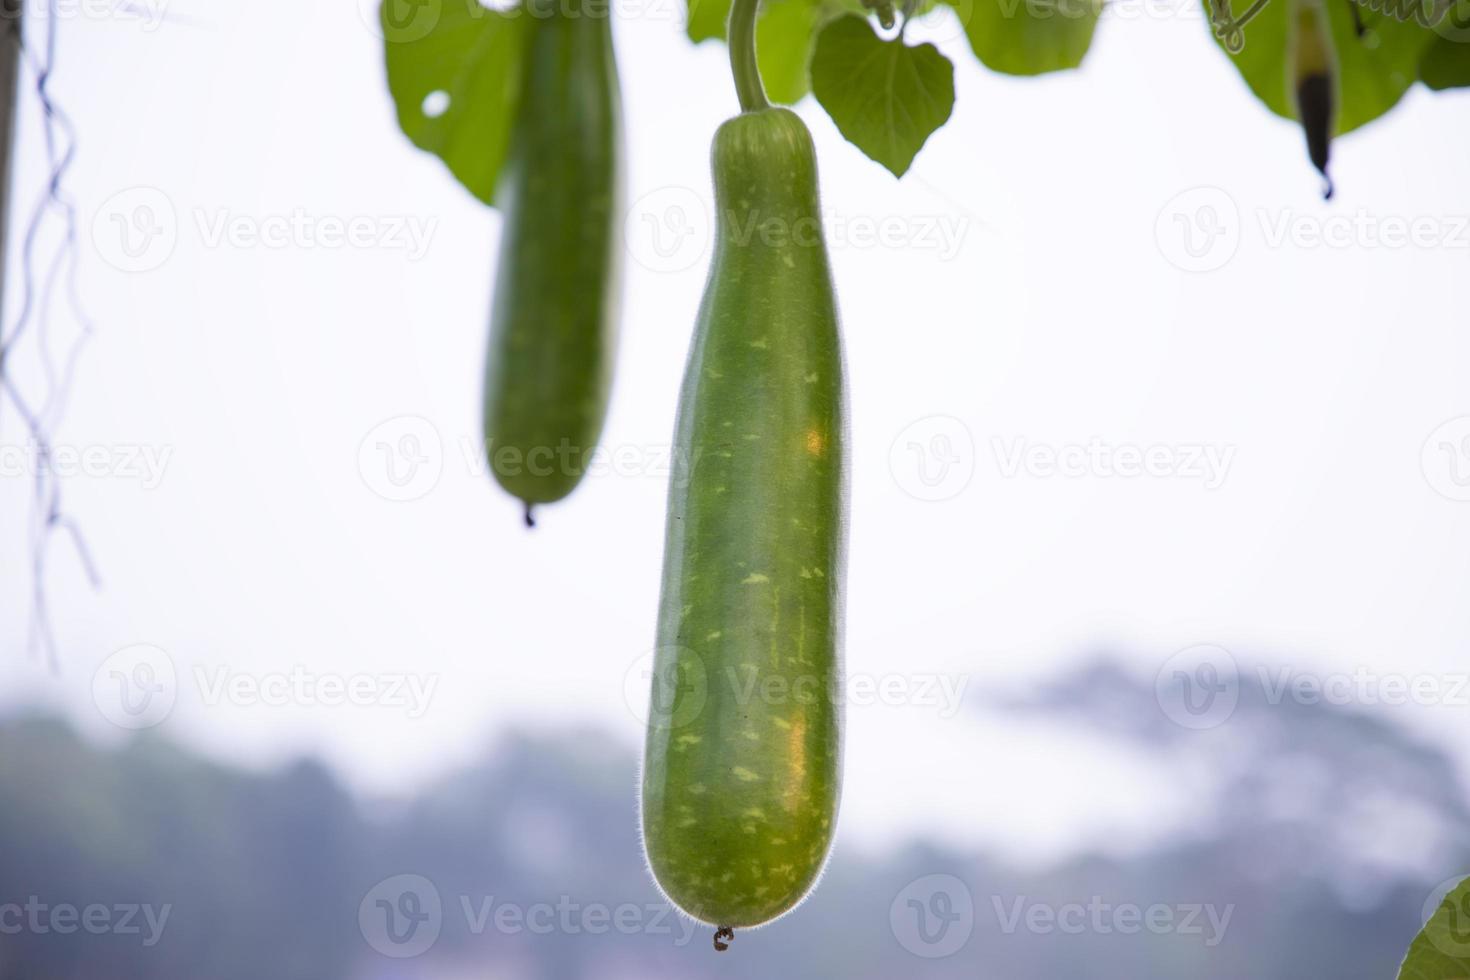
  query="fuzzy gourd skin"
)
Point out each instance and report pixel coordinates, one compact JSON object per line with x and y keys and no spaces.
{"x":553,"y":325}
{"x":742,"y":769}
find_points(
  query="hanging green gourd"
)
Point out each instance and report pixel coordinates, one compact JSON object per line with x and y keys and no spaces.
{"x":553,"y":324}
{"x":742,"y":769}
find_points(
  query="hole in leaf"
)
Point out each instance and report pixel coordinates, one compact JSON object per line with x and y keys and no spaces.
{"x":436,"y":104}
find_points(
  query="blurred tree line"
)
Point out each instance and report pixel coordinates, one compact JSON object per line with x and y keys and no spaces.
{"x":1324,"y":829}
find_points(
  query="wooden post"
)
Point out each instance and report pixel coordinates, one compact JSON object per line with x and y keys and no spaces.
{"x":12,"y":14}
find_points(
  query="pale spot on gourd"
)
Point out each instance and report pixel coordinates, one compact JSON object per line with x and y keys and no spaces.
{"x":806,"y":573}
{"x":788,"y":261}
{"x":755,"y":578}
{"x":686,"y":740}
{"x":688,"y":822}
{"x":698,"y":789}
{"x":781,"y":723}
{"x":811,"y":379}
{"x":744,"y":775}
{"x":816,"y":443}
{"x":759,"y":343}
{"x":712,"y":373}
{"x":717,"y":633}
{"x":754,"y":812}
{"x":750,"y":735}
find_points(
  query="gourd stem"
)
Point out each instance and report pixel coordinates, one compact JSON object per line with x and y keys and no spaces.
{"x":741,"y":40}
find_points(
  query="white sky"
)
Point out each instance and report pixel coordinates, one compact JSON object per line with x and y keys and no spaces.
{"x":1058,"y":319}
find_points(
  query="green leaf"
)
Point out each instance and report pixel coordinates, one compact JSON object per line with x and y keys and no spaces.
{"x":707,"y":20}
{"x":472,"y":56}
{"x":885,"y":97}
{"x":1442,"y":950}
{"x":784,"y":38}
{"x":1028,"y":37}
{"x":1373,"y":71}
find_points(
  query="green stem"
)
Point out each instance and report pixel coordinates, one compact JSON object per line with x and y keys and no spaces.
{"x":741,"y":41}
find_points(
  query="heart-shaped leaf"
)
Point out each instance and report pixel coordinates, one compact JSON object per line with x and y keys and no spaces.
{"x":454,"y":74}
{"x":885,"y":97}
